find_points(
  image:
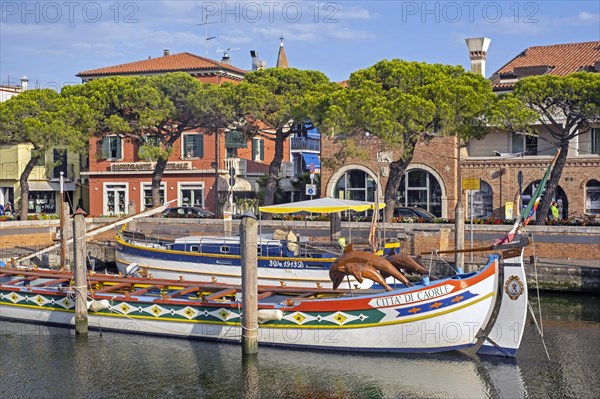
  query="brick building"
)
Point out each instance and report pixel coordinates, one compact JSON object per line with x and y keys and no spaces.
{"x":200,"y":163}
{"x":430,"y":180}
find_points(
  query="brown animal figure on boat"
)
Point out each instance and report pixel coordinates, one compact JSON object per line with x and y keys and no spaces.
{"x":407,"y":262}
{"x":363,"y":265}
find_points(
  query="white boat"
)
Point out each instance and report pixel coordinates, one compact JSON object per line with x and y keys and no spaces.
{"x":284,"y":258}
{"x":486,"y":309}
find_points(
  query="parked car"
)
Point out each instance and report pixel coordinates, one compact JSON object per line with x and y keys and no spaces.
{"x":407,"y":212}
{"x":413,"y":212}
{"x":187,"y":212}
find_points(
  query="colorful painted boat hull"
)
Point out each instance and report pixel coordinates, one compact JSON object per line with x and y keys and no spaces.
{"x":447,"y":315}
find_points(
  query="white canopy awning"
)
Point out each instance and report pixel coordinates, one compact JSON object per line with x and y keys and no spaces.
{"x":50,"y":186}
{"x":241,"y":184}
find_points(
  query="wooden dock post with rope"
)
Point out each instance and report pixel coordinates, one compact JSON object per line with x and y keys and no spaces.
{"x":248,"y":241}
{"x":79,"y":255}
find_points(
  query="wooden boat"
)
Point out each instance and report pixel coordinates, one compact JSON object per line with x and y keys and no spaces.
{"x":284,"y":258}
{"x":485,"y":308}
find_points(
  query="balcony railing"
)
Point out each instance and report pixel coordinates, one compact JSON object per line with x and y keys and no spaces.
{"x":239,"y":164}
{"x":304,"y":143}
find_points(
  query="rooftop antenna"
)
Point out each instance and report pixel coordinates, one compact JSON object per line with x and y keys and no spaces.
{"x":205,"y":23}
{"x":225,"y":58}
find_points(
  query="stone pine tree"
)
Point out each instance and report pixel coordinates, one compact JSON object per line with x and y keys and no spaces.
{"x":567,"y":107}
{"x":282,"y":99}
{"x":155,"y":111}
{"x":404,"y":103}
{"x":46,"y":120}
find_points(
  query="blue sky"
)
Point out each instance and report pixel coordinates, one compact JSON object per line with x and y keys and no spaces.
{"x":50,"y":41}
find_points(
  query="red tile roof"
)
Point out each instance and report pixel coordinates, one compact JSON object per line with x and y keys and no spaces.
{"x":168,"y":63}
{"x":562,"y":59}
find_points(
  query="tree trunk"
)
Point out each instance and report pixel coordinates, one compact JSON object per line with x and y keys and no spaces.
{"x":397,"y":169}
{"x":157,"y":175}
{"x":274,"y":169}
{"x":24,"y":182}
{"x":551,"y":185}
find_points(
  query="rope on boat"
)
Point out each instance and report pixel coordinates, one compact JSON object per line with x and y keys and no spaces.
{"x":437,"y":255}
{"x":540,"y":327}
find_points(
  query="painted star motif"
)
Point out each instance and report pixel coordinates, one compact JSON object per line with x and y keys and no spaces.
{"x":435,"y":305}
{"x":458,"y":298}
{"x":414,"y":310}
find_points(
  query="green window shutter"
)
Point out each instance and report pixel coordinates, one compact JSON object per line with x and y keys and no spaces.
{"x":200,"y":145}
{"x":262,"y":150}
{"x":119,"y":147}
{"x":105,"y":148}
{"x":255,"y":149}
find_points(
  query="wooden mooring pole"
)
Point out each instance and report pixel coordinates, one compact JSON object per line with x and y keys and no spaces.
{"x":79,"y":256}
{"x":248,"y":238}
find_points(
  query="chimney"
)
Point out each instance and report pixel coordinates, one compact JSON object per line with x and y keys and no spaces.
{"x":254,"y":56}
{"x":166,"y":52}
{"x":24,"y":83}
{"x":478,"y":47}
{"x":226,"y":59}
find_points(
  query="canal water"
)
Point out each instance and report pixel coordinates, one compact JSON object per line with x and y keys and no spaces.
{"x":42,"y":362}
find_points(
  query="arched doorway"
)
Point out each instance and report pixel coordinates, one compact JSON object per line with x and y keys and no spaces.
{"x":560,"y":197}
{"x":421,"y":188}
{"x":355,"y":185}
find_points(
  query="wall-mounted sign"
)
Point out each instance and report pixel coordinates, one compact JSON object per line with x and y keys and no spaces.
{"x":471,"y":183}
{"x":147,"y":166}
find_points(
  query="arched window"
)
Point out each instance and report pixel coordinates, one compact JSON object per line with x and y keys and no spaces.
{"x":356,"y":185}
{"x":420,"y":188}
{"x":592,"y":197}
{"x":483,"y":202}
{"x":560,"y":197}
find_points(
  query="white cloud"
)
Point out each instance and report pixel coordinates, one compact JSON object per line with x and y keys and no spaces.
{"x":346,"y":13}
{"x":585,"y":16}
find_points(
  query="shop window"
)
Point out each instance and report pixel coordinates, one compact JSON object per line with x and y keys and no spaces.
{"x":147,"y":195}
{"x":193,"y":145}
{"x":42,"y":202}
{"x":191,"y":195}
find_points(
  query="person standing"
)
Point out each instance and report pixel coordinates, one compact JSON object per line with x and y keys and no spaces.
{"x":554,"y":210}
